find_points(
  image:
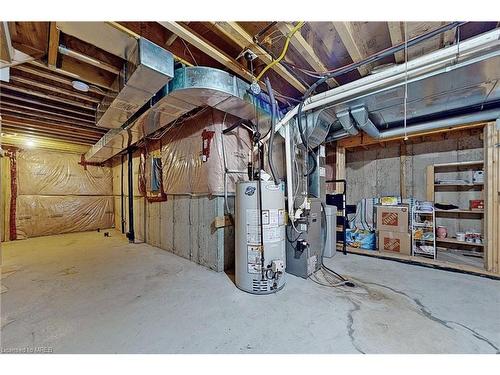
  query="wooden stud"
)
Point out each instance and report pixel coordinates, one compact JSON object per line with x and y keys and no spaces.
{"x":363,"y":139}
{"x":51,"y":134}
{"x":491,"y":197}
{"x":340,"y":169}
{"x":90,"y":60}
{"x":430,"y":183}
{"x":222,"y":221}
{"x":403,"y":152}
{"x":31,"y":124}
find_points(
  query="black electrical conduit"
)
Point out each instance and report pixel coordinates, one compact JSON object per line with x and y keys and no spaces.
{"x":274,"y":113}
{"x":375,"y":57}
{"x":247,"y":124}
{"x":130,"y":234}
{"x":122,"y":195}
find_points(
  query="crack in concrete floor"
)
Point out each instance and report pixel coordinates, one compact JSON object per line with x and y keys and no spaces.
{"x":422,"y":309}
{"x":426,"y":312}
{"x":350,"y":324}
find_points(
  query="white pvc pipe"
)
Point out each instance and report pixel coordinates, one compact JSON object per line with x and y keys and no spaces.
{"x":288,"y":164}
{"x":418,"y":66}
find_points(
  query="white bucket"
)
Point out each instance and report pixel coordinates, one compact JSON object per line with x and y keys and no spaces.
{"x":460,"y":236}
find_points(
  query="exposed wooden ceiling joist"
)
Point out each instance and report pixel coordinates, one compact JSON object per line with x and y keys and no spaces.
{"x":352,"y":46}
{"x":157,"y":34}
{"x":25,"y":130}
{"x":85,"y":72}
{"x":53,"y":45}
{"x":46,"y":96}
{"x":448,"y":37}
{"x":44,"y":104}
{"x":55,"y":89}
{"x":21,"y":125}
{"x":77,"y":128}
{"x":88,"y":60}
{"x":397,"y":37}
{"x":30,"y":37}
{"x":57,"y":115}
{"x":206,"y":47}
{"x":30,"y":113}
{"x":305,"y":49}
{"x":244,"y":40}
{"x":5,"y":43}
{"x":78,"y":71}
{"x":47,"y":74}
{"x":45,"y":142}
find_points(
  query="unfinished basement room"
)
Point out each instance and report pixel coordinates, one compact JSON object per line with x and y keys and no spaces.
{"x":250,"y":187}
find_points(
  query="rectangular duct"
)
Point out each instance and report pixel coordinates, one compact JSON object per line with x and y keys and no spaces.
{"x":148,"y":69}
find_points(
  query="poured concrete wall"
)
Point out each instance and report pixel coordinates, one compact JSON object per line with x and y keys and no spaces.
{"x":376,"y":173}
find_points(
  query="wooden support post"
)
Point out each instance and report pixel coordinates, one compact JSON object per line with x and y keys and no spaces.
{"x":340,"y":172}
{"x":492,"y":200}
{"x":430,"y":183}
{"x":402,"y":170}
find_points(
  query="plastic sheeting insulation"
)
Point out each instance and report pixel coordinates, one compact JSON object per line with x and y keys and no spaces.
{"x":42,"y":215}
{"x":58,"y":195}
{"x":185,"y":172}
{"x":52,"y":173}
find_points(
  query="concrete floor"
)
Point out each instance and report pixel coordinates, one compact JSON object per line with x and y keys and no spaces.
{"x":83,"y":293}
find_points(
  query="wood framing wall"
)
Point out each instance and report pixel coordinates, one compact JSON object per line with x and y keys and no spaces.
{"x":492,"y":191}
{"x":388,"y":168}
{"x":5,"y":197}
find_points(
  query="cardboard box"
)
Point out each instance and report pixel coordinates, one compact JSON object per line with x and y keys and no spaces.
{"x":394,"y":242}
{"x":393,"y":218}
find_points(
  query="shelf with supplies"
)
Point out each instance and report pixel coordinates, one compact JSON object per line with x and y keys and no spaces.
{"x":457,"y":242}
{"x":423,"y":229}
{"x":448,"y":179}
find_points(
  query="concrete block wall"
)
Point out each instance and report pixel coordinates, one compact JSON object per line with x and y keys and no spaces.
{"x":376,"y":172}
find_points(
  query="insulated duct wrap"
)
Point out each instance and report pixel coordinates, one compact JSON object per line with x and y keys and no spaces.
{"x":191,"y":88}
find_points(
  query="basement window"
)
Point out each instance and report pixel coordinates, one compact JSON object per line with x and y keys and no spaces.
{"x":155,"y":174}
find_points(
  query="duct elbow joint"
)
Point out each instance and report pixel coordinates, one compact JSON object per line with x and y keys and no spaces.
{"x":363,"y":121}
